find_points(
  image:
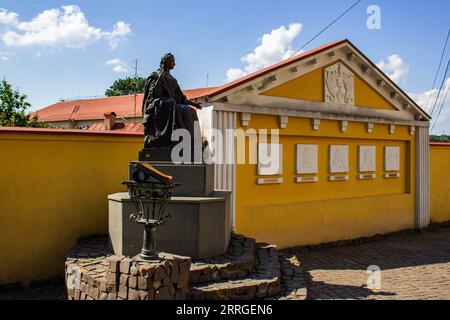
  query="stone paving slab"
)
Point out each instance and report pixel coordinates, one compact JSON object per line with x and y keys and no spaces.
{"x":413,"y":267}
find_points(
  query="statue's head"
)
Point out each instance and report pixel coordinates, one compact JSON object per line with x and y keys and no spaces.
{"x":168,"y":61}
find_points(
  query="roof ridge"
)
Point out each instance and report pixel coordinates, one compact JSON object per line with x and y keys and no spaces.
{"x":277,"y":65}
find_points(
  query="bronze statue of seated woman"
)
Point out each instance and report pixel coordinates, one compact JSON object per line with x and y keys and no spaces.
{"x":166,"y":108}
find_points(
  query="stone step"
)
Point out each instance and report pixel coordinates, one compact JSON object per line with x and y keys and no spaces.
{"x":292,"y":277}
{"x":238,"y":262}
{"x":263,"y":283}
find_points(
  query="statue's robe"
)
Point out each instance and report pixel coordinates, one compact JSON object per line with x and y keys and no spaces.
{"x":165,"y":108}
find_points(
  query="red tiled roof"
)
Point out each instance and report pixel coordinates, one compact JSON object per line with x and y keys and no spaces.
{"x":122,"y":106}
{"x":440,"y":144}
{"x":118,"y":127}
{"x":68,"y":132}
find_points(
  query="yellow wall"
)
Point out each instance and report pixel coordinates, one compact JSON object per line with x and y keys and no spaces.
{"x":440,"y":183}
{"x":293,"y":214}
{"x":53,"y":191}
{"x":310,"y":87}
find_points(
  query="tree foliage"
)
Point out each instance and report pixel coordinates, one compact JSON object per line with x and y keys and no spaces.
{"x":442,"y":138}
{"x":127,"y":86}
{"x":14,"y":108}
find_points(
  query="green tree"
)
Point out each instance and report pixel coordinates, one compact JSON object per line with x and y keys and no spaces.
{"x":442,"y":138}
{"x":14,"y":107}
{"x":127,"y":86}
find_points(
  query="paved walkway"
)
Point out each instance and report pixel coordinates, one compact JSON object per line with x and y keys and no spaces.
{"x":414,"y":266}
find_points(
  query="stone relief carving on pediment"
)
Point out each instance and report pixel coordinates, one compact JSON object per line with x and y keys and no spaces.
{"x":339,"y":85}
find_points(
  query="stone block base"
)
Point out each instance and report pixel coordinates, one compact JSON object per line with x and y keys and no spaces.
{"x":93,"y":274}
{"x":200,"y":227}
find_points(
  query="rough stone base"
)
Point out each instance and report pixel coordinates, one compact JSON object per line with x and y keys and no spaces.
{"x":248,"y":271}
{"x":93,"y":273}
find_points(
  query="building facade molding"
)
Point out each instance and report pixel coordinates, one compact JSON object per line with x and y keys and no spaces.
{"x":291,"y":112}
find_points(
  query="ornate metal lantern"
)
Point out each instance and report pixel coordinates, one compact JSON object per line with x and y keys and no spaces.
{"x":150,"y":190}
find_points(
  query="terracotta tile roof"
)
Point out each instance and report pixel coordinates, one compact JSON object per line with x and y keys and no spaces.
{"x":119,"y":127}
{"x":123,"y":106}
{"x":94,"y":109}
{"x":68,"y":132}
{"x":440,"y":144}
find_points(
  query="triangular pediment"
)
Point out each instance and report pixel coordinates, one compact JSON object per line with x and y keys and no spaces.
{"x":334,"y":83}
{"x":334,"y":77}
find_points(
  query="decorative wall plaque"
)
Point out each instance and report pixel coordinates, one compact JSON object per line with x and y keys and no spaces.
{"x":307,"y":179}
{"x":367,"y":176}
{"x":392,"y":175}
{"x":339,"y":178}
{"x":367,"y":159}
{"x":270,"y":159}
{"x":339,"y":159}
{"x":392,"y":159}
{"x":339,"y":84}
{"x":262,"y":181}
{"x":307,"y":158}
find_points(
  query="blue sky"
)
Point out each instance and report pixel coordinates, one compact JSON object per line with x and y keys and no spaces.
{"x":207,"y":37}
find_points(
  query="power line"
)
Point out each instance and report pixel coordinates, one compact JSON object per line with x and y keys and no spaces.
{"x":328,"y":26}
{"x":439,"y":68}
{"x":440,"y":109}
{"x":440,"y":88}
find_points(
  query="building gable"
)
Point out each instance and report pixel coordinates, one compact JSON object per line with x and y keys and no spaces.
{"x":312,"y":86}
{"x":298,"y":84}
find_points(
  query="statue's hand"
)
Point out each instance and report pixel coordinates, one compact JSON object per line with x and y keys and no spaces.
{"x":195,"y":104}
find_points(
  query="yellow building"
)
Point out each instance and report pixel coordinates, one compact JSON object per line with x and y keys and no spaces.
{"x":353,"y":147}
{"x":353,"y":150}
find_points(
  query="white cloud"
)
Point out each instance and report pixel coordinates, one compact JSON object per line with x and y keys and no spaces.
{"x":422,"y":99}
{"x":234,"y":74}
{"x":275,"y":46}
{"x":120,"y":32}
{"x":395,"y":67}
{"x":8,"y":18}
{"x":118,"y":65}
{"x":66,"y":27}
{"x":4,"y":56}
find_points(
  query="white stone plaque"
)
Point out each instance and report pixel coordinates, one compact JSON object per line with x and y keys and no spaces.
{"x":262,"y":181}
{"x":339,"y":159}
{"x":339,"y":84}
{"x":270,"y":159}
{"x":367,"y":159}
{"x":392,"y":159}
{"x":307,"y":158}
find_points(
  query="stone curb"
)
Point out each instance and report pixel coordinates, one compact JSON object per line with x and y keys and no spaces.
{"x":238,"y":262}
{"x":263,"y":283}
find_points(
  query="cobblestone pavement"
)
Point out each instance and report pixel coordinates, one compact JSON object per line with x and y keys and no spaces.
{"x":47,"y":292}
{"x":414,"y":267}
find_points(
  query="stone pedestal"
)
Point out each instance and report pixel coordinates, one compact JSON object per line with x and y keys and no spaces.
{"x":200,"y":223}
{"x":200,"y":227}
{"x":196,"y":180}
{"x":92,"y":273}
